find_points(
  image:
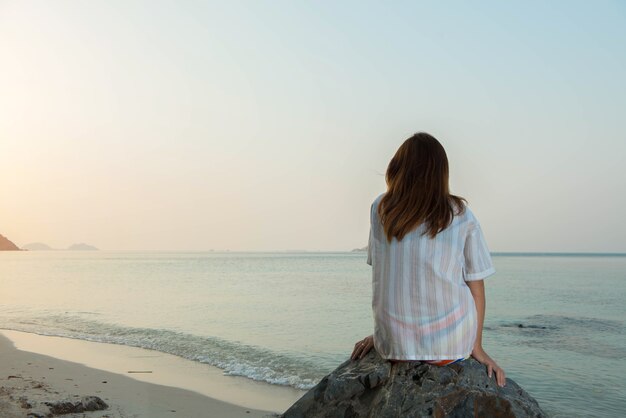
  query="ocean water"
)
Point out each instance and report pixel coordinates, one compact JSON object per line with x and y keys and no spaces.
{"x":556,"y":324}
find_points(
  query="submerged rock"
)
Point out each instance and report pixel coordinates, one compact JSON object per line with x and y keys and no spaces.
{"x":373,"y":387}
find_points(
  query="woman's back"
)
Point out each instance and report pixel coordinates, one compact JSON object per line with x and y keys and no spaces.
{"x":423,"y":310}
{"x":429,"y":257}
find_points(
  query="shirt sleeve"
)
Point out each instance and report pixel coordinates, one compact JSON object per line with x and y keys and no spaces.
{"x":478,"y":264}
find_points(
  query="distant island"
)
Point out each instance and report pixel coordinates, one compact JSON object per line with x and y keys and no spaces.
{"x":39,"y":246}
{"x":82,"y":247}
{"x":360,"y":250}
{"x":6,"y":245}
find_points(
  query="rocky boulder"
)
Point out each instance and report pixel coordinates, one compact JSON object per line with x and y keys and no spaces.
{"x":373,"y":387}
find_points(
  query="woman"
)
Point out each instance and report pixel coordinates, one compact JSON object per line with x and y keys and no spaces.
{"x":429,"y":259}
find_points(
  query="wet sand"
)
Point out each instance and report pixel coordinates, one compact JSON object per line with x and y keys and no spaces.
{"x":133,"y":382}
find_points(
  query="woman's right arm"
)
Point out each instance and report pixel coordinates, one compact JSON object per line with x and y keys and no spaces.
{"x":477,"y":287}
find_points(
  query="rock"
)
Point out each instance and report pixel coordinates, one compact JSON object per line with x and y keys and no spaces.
{"x":373,"y":387}
{"x":6,"y":245}
{"x":86,"y":403}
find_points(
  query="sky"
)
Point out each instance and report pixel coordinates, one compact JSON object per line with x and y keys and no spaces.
{"x":268,"y":125}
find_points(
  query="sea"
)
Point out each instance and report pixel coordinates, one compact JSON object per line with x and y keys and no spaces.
{"x":556,"y":323}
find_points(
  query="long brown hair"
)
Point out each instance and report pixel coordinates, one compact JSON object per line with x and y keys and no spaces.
{"x":417,"y":189}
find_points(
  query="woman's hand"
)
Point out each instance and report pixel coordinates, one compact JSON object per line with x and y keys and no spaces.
{"x":362,"y":347}
{"x":482,"y":357}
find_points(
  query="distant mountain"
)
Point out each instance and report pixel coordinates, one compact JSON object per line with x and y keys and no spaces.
{"x":82,"y":247}
{"x":359,"y":250}
{"x":6,"y":245}
{"x":37,"y":246}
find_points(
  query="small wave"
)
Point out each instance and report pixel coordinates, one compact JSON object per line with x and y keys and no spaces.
{"x":86,"y":313}
{"x":236,"y":359}
{"x":559,"y":322}
{"x":581,"y":335}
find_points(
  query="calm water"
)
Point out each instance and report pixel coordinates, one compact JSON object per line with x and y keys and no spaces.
{"x":290,"y":318}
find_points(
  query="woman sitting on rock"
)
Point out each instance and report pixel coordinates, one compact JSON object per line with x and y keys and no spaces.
{"x":429,"y":259}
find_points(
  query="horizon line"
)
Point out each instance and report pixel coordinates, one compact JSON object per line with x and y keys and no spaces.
{"x":493,"y":253}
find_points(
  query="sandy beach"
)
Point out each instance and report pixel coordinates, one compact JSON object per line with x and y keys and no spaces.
{"x":133,"y":382}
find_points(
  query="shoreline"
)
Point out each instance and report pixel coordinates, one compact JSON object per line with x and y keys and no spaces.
{"x":134,"y":382}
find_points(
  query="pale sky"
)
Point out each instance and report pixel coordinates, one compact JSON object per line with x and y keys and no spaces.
{"x":266,"y":125}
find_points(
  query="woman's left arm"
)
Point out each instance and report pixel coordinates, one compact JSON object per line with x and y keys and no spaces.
{"x":477,"y":287}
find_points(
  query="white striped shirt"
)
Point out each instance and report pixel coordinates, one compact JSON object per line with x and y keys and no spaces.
{"x":423,"y":309}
